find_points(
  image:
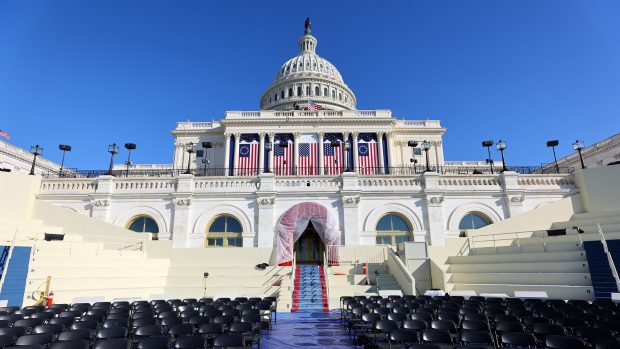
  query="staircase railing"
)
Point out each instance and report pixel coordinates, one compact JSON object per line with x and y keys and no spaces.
{"x":401,"y":273}
{"x":610,"y":259}
{"x":294,"y":265}
{"x":325,"y":270}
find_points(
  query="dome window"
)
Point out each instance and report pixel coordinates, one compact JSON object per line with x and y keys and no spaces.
{"x":275,"y":97}
{"x":282,"y":94}
{"x":333,"y":94}
{"x":299,"y":91}
{"x":325,"y":92}
{"x":340,"y":95}
{"x":290,"y":92}
{"x":317,"y":91}
{"x":307,"y":90}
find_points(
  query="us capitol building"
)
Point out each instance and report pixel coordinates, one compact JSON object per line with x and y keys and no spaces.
{"x":310,"y":164}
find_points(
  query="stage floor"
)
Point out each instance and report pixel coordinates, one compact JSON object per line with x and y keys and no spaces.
{"x":307,"y":330}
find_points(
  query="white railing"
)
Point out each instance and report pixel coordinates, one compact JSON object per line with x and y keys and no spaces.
{"x":350,"y":255}
{"x":400,"y":272}
{"x":609,"y":257}
{"x":293,"y":272}
{"x":492,"y":240}
{"x":325,"y":273}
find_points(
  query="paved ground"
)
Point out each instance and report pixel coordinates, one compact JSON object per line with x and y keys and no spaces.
{"x":307,"y":330}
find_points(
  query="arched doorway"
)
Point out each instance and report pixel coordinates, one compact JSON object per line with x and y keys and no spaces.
{"x":306,"y":219}
{"x":309,"y":248}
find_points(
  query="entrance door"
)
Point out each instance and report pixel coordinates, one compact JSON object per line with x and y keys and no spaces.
{"x":309,"y":248}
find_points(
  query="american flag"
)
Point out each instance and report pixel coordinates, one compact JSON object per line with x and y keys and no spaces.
{"x":313,"y":106}
{"x":4,"y":135}
{"x":308,"y":155}
{"x":248,"y":155}
{"x":333,"y":158}
{"x":283,"y":156}
{"x":367,"y":153}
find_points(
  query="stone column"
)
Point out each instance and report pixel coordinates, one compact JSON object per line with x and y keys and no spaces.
{"x":226,"y":153}
{"x":272,"y":139}
{"x":390,"y":146}
{"x":434,"y":209}
{"x":182,"y":200}
{"x":350,"y":199}
{"x":261,"y":153}
{"x":320,"y":150}
{"x":381,"y":167}
{"x":236,"y":155}
{"x":514,"y":194}
{"x":100,"y":200}
{"x":265,"y":203}
{"x":354,"y":145}
{"x":296,"y":155}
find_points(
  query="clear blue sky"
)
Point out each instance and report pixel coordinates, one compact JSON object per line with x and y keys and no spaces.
{"x":89,"y":73}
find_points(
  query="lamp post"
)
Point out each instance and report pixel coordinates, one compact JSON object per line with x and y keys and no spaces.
{"x":426,"y":146}
{"x":347,"y":149}
{"x":552,"y":144}
{"x":113,"y":150}
{"x":190,"y":148}
{"x":268,"y":148}
{"x":129,"y":147}
{"x":64,"y":148}
{"x":205,"y":159}
{"x":578,"y":146}
{"x":488,"y":144}
{"x":501,"y":146}
{"x":413,"y":161}
{"x":36,"y":151}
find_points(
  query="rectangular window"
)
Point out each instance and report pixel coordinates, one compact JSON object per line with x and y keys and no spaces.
{"x":235,"y":242}
{"x":383,"y":240}
{"x":200,"y":153}
{"x":417,"y":151}
{"x":215,"y":242}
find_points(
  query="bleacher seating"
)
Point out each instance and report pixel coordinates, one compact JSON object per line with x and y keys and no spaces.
{"x":174,"y":323}
{"x":479,"y":322}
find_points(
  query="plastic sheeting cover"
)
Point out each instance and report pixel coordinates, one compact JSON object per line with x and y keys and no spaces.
{"x":294,"y":222}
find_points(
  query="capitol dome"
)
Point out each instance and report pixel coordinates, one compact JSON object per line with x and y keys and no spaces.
{"x":308,"y":77}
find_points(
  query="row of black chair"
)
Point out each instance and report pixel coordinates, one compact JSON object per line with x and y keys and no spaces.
{"x":158,"y":324}
{"x":482,"y":322}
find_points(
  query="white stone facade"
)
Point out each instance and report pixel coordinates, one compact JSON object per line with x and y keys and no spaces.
{"x":184,"y":206}
{"x":19,"y":160}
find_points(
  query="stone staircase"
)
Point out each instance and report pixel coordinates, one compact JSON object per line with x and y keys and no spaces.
{"x":348,"y":280}
{"x":310,"y":293}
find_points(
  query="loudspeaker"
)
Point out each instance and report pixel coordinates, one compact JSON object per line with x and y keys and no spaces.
{"x":556,"y":232}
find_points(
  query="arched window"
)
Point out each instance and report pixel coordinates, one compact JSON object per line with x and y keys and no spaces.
{"x":275,"y":97}
{"x":392,"y":230}
{"x":282,"y":94}
{"x":325,"y":93}
{"x":307,"y":90}
{"x":299,"y":90}
{"x":143,"y":224}
{"x":340,"y":95}
{"x":290,"y":92}
{"x":317,"y":91}
{"x":333,"y":94}
{"x":225,"y":231}
{"x":473,"y":220}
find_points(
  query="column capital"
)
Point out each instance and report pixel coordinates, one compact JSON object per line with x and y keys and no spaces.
{"x":320,"y":134}
{"x":296,"y":135}
{"x":262,"y":134}
{"x":379,"y":135}
{"x":227,"y":135}
{"x":237,"y":134}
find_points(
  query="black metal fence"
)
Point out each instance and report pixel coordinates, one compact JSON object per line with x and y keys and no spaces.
{"x":307,"y":171}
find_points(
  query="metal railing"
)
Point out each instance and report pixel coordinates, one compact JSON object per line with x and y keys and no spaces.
{"x":510,"y":236}
{"x":609,"y":257}
{"x":304,"y":171}
{"x":351,"y":255}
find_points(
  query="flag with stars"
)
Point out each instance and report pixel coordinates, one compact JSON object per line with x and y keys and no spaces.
{"x":283,"y":154}
{"x":4,"y":135}
{"x":308,"y":156}
{"x":367,"y":156}
{"x":333,"y":158}
{"x":248,"y":155}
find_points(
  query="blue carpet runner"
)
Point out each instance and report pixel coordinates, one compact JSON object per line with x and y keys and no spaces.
{"x":307,"y":330}
{"x":15,"y":281}
{"x":310,"y":294}
{"x":603,"y":280}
